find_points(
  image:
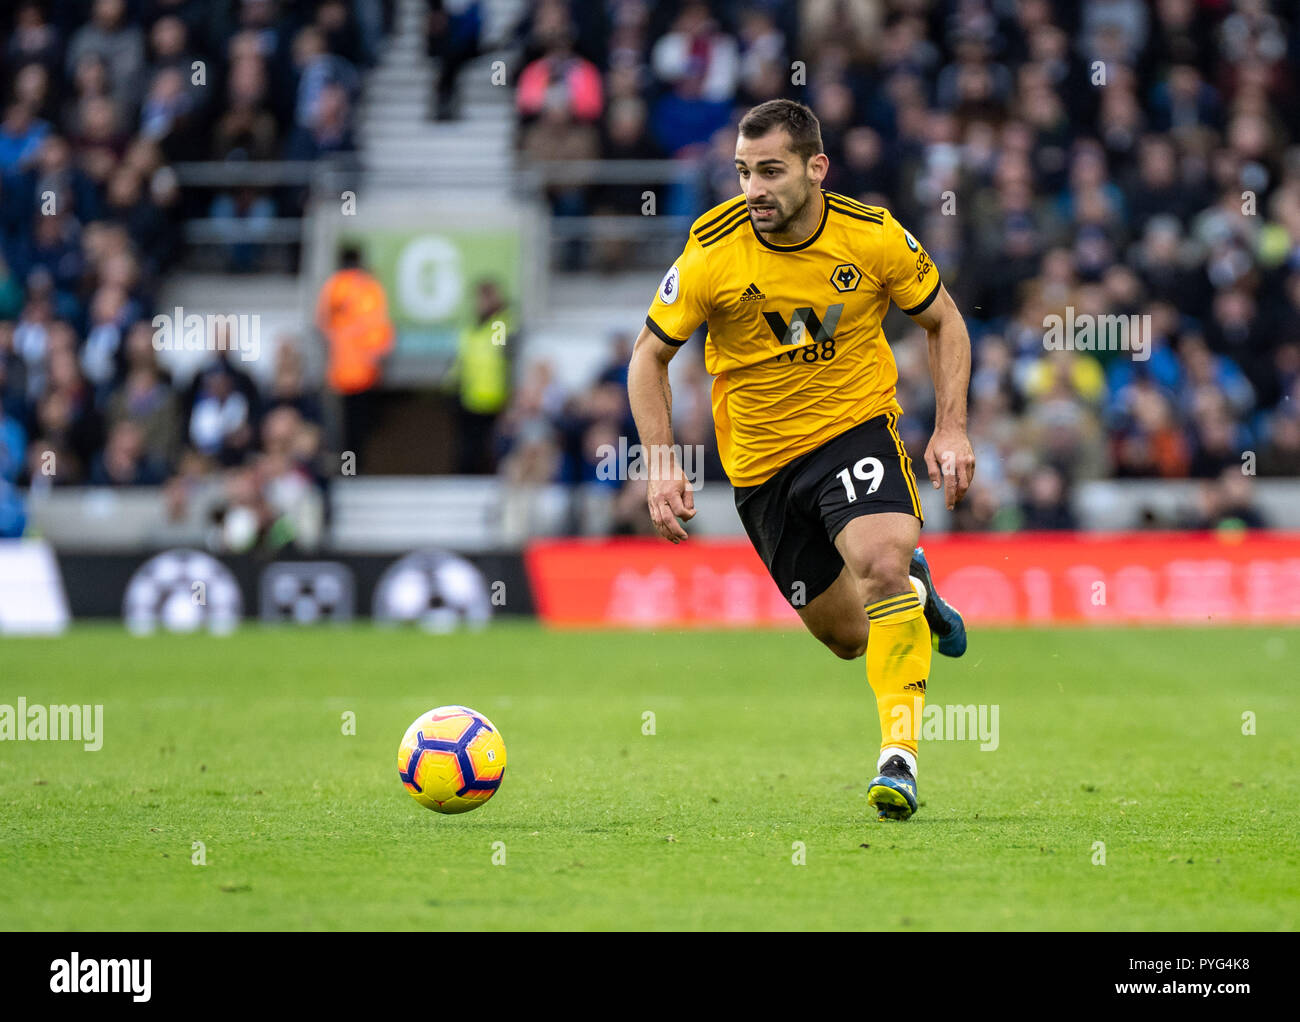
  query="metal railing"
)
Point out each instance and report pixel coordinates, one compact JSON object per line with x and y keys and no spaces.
{"x":612,"y":241}
{"x":543,"y":173}
{"x":268,"y":175}
{"x":246,"y":173}
{"x":644,"y":240}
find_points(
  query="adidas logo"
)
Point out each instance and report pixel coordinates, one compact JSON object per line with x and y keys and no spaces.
{"x":915,"y":686}
{"x":752,"y":294}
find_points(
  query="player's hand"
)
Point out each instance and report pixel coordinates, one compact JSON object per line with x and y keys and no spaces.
{"x":950,"y":460}
{"x":669,"y":496}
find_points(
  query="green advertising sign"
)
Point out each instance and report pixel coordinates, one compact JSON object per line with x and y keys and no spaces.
{"x":430,"y":277}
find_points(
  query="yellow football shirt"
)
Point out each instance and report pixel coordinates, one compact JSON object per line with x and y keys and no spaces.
{"x":794,"y":339}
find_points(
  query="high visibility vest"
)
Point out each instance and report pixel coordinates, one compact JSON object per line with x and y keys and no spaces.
{"x":482,"y":366}
{"x":353,"y":315}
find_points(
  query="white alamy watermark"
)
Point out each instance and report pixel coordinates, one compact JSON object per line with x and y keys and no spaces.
{"x":656,"y":461}
{"x":181,"y":331}
{"x":950,"y":723}
{"x":75,"y":975}
{"x":56,"y":723}
{"x":1086,"y":332}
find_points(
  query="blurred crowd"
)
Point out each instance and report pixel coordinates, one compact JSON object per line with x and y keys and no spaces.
{"x":1121,"y":157}
{"x":1109,"y":156}
{"x":100,"y":99}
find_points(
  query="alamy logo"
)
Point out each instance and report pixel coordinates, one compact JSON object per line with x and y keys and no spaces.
{"x":179,"y":331}
{"x":951,"y":723}
{"x":805,"y":325}
{"x":655,"y":461}
{"x":59,"y":723}
{"x":132,"y":976}
{"x":1086,"y":332}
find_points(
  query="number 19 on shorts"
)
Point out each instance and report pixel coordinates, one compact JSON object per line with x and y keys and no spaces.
{"x":869,"y":470}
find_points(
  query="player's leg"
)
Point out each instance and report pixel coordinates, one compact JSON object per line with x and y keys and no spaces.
{"x":789,"y":538}
{"x":836,"y":619}
{"x":865,"y":494}
{"x":877,"y":551}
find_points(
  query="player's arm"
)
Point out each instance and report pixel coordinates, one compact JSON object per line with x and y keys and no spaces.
{"x":912,"y":281}
{"x":949,"y":457}
{"x":680,"y":305}
{"x":668,"y":494}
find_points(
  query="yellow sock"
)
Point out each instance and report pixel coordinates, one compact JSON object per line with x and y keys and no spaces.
{"x":898,"y":664}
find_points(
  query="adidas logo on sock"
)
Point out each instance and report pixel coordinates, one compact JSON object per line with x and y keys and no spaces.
{"x":752,"y":294}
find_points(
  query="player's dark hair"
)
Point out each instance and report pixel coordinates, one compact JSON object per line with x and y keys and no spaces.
{"x":798,"y":120}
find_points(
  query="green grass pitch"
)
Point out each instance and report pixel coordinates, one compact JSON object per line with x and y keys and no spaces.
{"x":762,"y":740}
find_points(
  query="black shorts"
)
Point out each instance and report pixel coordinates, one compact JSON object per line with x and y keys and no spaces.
{"x":793,"y":518}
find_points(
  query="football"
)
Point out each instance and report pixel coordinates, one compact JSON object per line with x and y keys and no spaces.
{"x":451,"y":759}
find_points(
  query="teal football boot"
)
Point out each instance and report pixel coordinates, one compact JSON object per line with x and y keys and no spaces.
{"x":946,"y":625}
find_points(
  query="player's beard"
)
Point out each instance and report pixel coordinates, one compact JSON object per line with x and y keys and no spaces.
{"x":778,"y":223}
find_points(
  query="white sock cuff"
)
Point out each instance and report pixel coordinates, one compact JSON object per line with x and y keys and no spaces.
{"x":922,"y":593}
{"x":907,"y":756}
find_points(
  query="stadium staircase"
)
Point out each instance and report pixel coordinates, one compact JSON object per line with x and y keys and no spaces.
{"x":394,"y":132}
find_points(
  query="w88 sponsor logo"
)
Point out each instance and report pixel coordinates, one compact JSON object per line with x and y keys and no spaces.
{"x":815,"y":352}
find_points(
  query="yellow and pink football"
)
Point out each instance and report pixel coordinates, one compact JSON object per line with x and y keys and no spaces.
{"x":452,"y":759}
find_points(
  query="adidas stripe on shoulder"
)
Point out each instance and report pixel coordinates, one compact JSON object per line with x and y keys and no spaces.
{"x":714,"y":228}
{"x":844,"y":206}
